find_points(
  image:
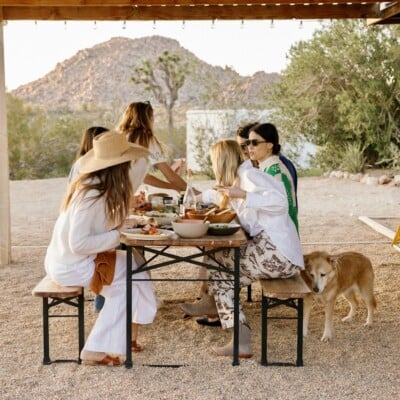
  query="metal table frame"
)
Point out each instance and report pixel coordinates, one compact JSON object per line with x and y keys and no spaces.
{"x":206,"y":246}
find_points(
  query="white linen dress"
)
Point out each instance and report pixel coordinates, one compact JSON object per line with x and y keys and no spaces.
{"x":80,"y":233}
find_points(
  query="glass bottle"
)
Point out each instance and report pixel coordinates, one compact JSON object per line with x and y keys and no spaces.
{"x":189,"y":199}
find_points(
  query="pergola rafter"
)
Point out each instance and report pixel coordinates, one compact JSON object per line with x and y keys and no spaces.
{"x":142,"y":10}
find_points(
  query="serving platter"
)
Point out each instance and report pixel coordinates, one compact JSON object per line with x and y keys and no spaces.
{"x":136,"y":233}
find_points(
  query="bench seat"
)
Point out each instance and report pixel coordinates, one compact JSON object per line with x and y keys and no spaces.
{"x":53,"y":295}
{"x":288,"y":292}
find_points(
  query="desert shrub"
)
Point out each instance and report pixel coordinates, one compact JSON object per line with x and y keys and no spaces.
{"x":353,"y":158}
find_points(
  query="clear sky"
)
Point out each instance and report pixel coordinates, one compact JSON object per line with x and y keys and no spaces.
{"x":32,"y":49}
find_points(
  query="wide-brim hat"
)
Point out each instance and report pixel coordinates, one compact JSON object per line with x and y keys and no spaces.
{"x":109,"y":149}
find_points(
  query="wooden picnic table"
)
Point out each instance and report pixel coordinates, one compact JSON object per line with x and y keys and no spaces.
{"x":206,"y":246}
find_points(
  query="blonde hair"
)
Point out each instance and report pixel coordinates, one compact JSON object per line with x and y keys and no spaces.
{"x":113,"y":183}
{"x":226,"y":157}
{"x":136,"y":123}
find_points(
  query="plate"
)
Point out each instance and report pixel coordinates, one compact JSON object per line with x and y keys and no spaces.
{"x":135,"y":234}
{"x":223,"y":229}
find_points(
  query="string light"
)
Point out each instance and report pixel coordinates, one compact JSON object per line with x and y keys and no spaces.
{"x":242,"y":24}
{"x":95,"y":25}
{"x":271,"y":24}
{"x":213,"y":23}
{"x":65,"y":25}
{"x":154,"y":24}
{"x":301,"y":25}
{"x":183,"y":24}
{"x":124,"y":25}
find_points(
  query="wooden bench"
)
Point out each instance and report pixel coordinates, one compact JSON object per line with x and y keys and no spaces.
{"x":287,"y":292}
{"x":69,"y":295}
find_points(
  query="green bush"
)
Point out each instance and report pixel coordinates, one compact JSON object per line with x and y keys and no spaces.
{"x":353,"y":158}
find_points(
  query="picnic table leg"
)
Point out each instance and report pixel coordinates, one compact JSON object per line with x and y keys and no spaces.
{"x":81,"y":323}
{"x":236,"y":272}
{"x":128,"y":360}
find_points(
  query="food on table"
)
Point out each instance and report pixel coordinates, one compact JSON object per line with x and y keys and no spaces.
{"x":149,"y":230}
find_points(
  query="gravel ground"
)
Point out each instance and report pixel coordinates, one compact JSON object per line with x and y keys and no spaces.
{"x":359,"y":363}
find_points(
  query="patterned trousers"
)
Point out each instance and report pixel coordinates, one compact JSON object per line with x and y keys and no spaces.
{"x":259,"y":259}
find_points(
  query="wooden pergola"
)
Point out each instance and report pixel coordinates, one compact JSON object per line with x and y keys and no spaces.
{"x":376,"y":12}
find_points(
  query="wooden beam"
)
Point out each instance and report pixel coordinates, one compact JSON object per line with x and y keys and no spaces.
{"x":328,"y":11}
{"x":120,"y":3}
{"x":5,"y":229}
{"x":377,"y":227}
{"x":390,"y":14}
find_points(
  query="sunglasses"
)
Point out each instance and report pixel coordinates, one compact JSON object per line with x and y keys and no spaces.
{"x":243,"y":146}
{"x":254,"y":142}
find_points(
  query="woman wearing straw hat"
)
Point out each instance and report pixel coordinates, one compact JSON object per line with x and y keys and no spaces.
{"x":81,"y":251}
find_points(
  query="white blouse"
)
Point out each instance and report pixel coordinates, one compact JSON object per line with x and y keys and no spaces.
{"x":79,"y":234}
{"x":264,"y":209}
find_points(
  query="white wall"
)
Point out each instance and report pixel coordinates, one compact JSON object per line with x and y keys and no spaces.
{"x":216,"y":125}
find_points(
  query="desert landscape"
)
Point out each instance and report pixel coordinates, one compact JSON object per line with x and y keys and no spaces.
{"x":359,"y":363}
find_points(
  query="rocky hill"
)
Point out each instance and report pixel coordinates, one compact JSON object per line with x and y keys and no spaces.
{"x":99,"y":78}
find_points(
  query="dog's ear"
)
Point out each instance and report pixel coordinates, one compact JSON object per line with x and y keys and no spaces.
{"x":306,"y":258}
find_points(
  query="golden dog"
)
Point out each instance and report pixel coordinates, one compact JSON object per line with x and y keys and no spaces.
{"x":329,"y":276}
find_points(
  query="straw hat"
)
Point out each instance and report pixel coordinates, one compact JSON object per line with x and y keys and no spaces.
{"x":110,"y":148}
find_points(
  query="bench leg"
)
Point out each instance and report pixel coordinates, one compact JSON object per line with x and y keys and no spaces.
{"x":299,"y":361}
{"x":264,"y":327}
{"x":249,"y":300}
{"x":81,"y":324}
{"x":46,"y":351}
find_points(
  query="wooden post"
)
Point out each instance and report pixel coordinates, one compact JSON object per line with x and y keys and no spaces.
{"x":5,"y":230}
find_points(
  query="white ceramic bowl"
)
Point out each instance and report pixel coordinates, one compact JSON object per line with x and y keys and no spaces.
{"x":162,"y":218}
{"x":190,"y":228}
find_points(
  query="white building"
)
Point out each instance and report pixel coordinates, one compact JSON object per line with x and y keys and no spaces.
{"x":205,"y":127}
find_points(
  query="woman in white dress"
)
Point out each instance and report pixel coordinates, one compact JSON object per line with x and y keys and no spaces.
{"x":81,"y":251}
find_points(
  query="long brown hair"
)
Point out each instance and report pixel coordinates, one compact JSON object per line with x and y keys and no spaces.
{"x":137,"y":123}
{"x":113,"y":183}
{"x":87,"y":140}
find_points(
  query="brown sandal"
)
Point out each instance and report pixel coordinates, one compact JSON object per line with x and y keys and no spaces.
{"x":137,"y":348}
{"x":107,"y":361}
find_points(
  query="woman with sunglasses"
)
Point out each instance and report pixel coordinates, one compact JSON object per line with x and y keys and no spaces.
{"x":263,"y":147}
{"x":137,"y":124}
{"x":274,"y":250}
